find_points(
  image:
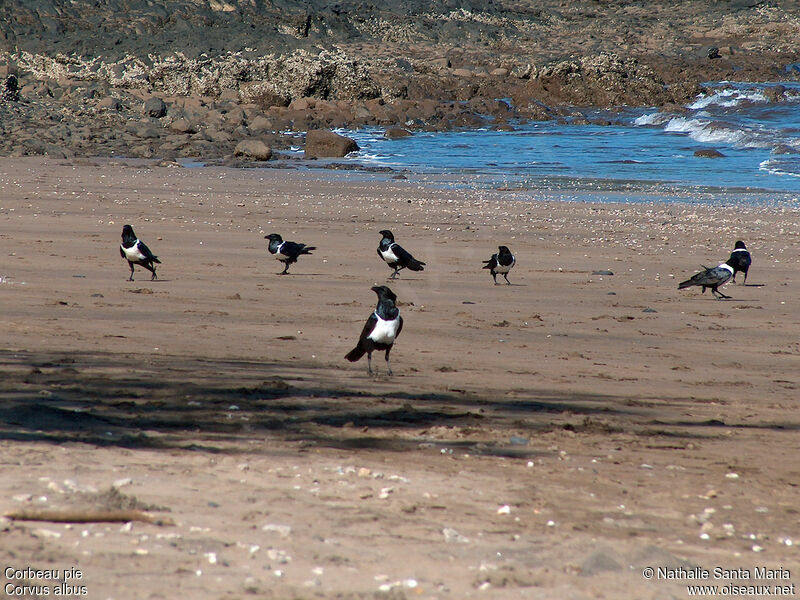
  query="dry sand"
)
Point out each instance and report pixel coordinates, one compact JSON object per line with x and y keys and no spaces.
{"x":548,"y":439}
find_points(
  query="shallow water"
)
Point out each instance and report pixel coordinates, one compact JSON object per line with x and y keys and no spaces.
{"x":643,"y":150}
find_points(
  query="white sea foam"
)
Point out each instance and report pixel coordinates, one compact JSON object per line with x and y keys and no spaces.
{"x":723,"y":135}
{"x":776,"y":166}
{"x":684,"y":125}
{"x":713,"y":132}
{"x":372,"y":157}
{"x":727,"y":98}
{"x":656,"y":118}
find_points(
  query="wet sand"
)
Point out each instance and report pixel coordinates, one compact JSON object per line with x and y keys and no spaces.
{"x":551,"y":438}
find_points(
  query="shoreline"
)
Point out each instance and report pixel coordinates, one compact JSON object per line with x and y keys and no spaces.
{"x":564,"y":189}
{"x":541,"y":436}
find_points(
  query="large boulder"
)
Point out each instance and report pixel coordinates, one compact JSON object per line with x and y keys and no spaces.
{"x":155,"y":107}
{"x":395,"y":133}
{"x":255,"y":149}
{"x":323,"y":142}
{"x":708,"y":153}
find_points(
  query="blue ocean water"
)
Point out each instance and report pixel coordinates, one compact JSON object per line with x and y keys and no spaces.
{"x":758,"y":136}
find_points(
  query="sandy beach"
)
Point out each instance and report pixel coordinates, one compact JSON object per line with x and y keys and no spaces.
{"x":548,"y":439}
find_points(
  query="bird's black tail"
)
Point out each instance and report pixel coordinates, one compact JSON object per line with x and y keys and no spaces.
{"x":488,"y":264}
{"x":416,"y":265}
{"x":308,"y":249}
{"x":693,"y":280}
{"x":155,"y":259}
{"x":355,"y":354}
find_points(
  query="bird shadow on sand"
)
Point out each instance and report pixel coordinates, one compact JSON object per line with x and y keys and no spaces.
{"x":401,"y":279}
{"x":149,"y":281}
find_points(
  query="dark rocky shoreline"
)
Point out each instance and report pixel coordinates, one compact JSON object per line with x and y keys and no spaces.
{"x":178,"y":79}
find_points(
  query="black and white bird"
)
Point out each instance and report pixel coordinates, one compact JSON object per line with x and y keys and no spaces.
{"x":381,"y":329}
{"x":286,"y":252}
{"x":711,"y":278}
{"x":502,"y":262}
{"x":136,"y":252}
{"x":740,"y":260}
{"x":396,"y":256}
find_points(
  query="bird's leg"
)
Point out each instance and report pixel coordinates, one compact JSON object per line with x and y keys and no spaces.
{"x":745,"y":278}
{"x":388,"y":366}
{"x":505,"y":276}
{"x":394,"y":275}
{"x":153,"y":271}
{"x":494,"y":276}
{"x":719,"y":294}
{"x":130,"y":264}
{"x":285,"y":269}
{"x":369,"y":363}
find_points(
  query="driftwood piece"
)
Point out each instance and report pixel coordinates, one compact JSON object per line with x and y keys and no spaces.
{"x":87,"y":516}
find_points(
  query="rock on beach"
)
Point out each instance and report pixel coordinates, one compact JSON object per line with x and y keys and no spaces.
{"x":325,"y":143}
{"x":255,"y":149}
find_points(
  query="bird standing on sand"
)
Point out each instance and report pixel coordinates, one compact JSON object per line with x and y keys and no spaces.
{"x":381,"y":329}
{"x":136,"y":252}
{"x":711,"y":278}
{"x":502,"y":262}
{"x":396,"y":256}
{"x":286,"y":252}
{"x":740,"y":260}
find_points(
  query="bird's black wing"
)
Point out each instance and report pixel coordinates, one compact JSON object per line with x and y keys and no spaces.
{"x":146,"y":251}
{"x":403,"y":256}
{"x":292,"y":249}
{"x":121,"y":253}
{"x":491,"y":263}
{"x":714,"y":276}
{"x":368,"y":327}
{"x":399,"y":327}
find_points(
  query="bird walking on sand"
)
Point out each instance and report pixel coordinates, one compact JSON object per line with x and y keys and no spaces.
{"x":740,"y":260}
{"x":136,"y":252}
{"x":711,"y":278}
{"x":396,"y":256}
{"x":381,"y":329}
{"x":502,"y":262}
{"x":286,"y":252}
